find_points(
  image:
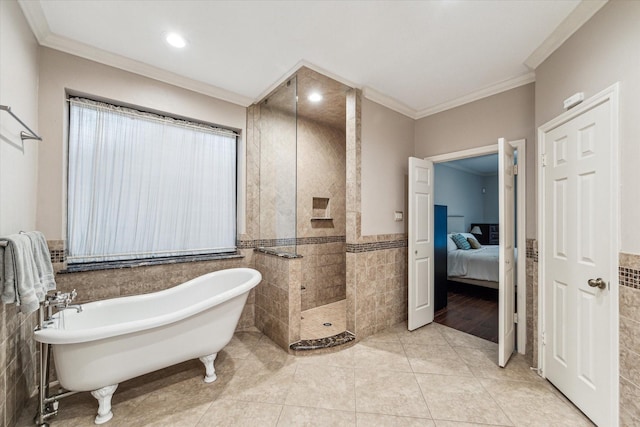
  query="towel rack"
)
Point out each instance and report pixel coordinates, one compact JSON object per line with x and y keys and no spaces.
{"x":4,"y":243}
{"x":23,"y":135}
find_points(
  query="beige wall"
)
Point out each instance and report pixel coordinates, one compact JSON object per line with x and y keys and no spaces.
{"x":61,"y":72}
{"x":509,"y":114}
{"x":18,"y":180}
{"x":387,"y":143}
{"x":604,"y":51}
{"x":19,"y":90}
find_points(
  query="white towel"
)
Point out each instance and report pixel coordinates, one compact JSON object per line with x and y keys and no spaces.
{"x":27,"y":273}
{"x":42,"y":258}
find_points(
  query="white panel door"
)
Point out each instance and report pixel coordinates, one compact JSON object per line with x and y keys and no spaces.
{"x":577,"y":247}
{"x":506,"y":289}
{"x":421,"y":290}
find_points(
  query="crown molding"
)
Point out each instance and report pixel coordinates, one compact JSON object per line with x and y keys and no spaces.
{"x":479,"y":94}
{"x":387,"y":101}
{"x":36,"y":19}
{"x":303,"y":63}
{"x":581,"y":14}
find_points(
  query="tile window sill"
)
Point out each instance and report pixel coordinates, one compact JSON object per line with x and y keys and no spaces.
{"x":113,"y":265}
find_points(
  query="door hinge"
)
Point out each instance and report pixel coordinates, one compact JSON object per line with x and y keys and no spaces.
{"x":544,"y":160}
{"x":544,"y":338}
{"x":515,"y":169}
{"x":515,"y":317}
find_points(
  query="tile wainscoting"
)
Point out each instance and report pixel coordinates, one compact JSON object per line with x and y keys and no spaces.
{"x":18,"y":359}
{"x":376,"y":284}
{"x":532,"y":303}
{"x":629,"y":275}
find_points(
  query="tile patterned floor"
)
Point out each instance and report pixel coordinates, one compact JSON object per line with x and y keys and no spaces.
{"x":434,"y":377}
{"x":311,"y":324}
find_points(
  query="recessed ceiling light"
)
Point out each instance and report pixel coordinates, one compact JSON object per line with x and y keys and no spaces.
{"x":315,"y":97}
{"x":176,"y":40}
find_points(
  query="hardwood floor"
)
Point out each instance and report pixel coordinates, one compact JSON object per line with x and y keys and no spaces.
{"x":471,"y":309}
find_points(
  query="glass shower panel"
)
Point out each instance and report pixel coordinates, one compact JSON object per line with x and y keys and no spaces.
{"x":278,"y":136}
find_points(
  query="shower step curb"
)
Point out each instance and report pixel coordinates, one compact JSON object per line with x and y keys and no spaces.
{"x":327,"y":342}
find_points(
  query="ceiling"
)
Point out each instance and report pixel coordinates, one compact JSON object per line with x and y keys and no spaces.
{"x":416,"y":57}
{"x":483,"y":165}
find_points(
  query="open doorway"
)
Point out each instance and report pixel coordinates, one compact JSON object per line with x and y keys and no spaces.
{"x":421,"y":242}
{"x":466,"y":280}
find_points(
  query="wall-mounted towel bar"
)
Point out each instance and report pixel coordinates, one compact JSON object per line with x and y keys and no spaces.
{"x":23,"y":135}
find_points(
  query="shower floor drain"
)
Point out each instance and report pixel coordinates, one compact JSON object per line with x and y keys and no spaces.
{"x":327,"y":324}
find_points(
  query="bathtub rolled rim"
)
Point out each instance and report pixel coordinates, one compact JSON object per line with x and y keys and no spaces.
{"x":54,"y":335}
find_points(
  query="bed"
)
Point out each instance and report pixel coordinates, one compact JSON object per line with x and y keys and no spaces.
{"x":473,"y":266}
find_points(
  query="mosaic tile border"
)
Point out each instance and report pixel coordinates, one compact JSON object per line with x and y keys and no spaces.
{"x":629,"y":277}
{"x":321,"y":240}
{"x":58,"y":256}
{"x":532,"y":249}
{"x":328,"y":342}
{"x":376,"y":246}
{"x":269,"y":243}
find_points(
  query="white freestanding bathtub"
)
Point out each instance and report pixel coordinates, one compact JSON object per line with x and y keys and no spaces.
{"x":114,"y":340}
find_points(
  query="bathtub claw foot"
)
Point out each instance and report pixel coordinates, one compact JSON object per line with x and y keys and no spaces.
{"x":210,"y":375}
{"x":104,"y":395}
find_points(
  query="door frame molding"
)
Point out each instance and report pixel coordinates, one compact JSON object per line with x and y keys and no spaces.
{"x":611,"y":95}
{"x":521,"y":218}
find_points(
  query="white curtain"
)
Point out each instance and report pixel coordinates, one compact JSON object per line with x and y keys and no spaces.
{"x":142,"y":185}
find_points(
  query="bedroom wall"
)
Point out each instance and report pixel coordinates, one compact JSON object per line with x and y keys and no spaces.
{"x":461,"y":192}
{"x":18,"y":179}
{"x":491,"y":211}
{"x":509,"y":114}
{"x":602,"y":52}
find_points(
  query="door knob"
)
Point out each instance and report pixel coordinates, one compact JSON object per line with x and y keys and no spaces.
{"x":597,"y":283}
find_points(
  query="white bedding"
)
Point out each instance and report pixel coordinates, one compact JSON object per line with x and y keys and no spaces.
{"x":479,"y":264}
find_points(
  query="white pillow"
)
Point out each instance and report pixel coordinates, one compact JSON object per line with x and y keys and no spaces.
{"x":451,"y":245}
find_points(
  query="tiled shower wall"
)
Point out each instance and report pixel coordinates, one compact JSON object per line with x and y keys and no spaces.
{"x":629,"y":277}
{"x":276,"y":170}
{"x":320,"y":159}
{"x":277,"y":302}
{"x":377,"y":278}
{"x":321,"y":175}
{"x":323,"y":274}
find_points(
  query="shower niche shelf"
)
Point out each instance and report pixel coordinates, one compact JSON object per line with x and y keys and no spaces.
{"x":321,"y":209}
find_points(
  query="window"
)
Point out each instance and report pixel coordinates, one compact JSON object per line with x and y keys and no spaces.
{"x":145,"y":186}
